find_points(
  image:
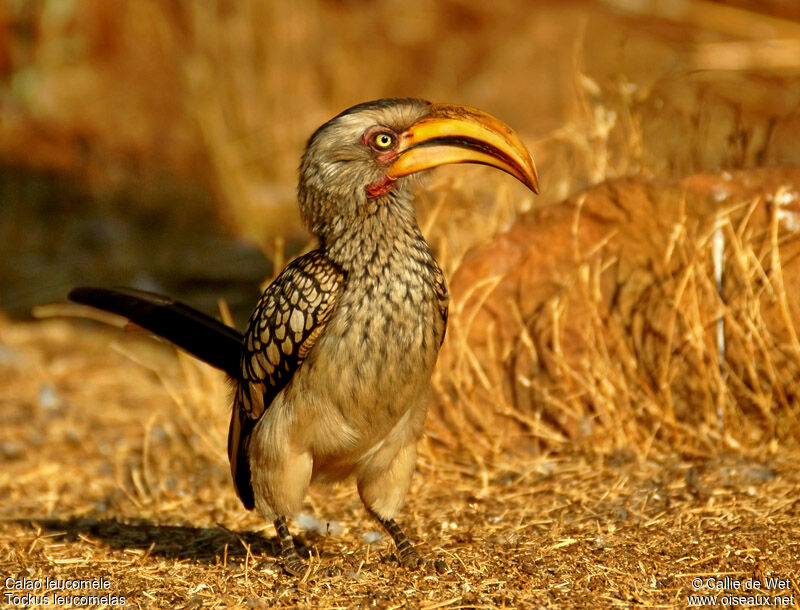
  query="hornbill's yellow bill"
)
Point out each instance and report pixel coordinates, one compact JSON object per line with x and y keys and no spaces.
{"x":459,"y":134}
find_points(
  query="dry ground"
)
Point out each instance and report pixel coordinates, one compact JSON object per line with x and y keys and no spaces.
{"x":113,"y":468}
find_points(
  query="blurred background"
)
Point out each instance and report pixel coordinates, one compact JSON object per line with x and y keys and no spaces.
{"x":155,"y":143}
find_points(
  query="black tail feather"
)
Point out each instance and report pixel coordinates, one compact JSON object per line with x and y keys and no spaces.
{"x":200,"y":335}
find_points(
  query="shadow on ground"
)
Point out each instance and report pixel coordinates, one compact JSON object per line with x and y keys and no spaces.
{"x":199,"y":544}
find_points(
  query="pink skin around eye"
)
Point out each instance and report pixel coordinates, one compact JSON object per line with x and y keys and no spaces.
{"x":382,"y":157}
{"x":385,"y":184}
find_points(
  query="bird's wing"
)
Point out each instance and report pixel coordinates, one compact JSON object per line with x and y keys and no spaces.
{"x":291,"y":314}
{"x":443,"y":296}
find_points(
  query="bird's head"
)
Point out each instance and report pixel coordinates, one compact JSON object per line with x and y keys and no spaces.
{"x":364,"y":156}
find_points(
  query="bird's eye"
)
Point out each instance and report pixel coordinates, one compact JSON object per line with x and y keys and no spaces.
{"x":383,"y":140}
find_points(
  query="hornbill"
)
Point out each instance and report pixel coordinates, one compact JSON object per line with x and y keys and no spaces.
{"x":331,"y":377}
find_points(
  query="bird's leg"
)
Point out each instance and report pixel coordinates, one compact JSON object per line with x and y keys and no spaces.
{"x":292,"y":562}
{"x":382,"y":489}
{"x":406,"y":553}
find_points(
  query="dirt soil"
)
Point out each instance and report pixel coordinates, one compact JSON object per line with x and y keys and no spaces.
{"x":114,"y":469}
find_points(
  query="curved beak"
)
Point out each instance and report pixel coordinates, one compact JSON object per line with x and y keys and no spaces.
{"x":460,"y":134}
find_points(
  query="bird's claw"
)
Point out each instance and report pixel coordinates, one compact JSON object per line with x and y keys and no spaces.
{"x":334,"y":571}
{"x":294,"y":565}
{"x":408,"y":557}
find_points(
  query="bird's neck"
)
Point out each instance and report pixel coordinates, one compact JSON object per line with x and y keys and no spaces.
{"x":385,"y":234}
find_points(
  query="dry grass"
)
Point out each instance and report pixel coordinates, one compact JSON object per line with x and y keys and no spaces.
{"x":106,"y":474}
{"x":662,"y":318}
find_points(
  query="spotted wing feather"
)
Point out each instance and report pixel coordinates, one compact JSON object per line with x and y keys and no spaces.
{"x":289,"y":317}
{"x":442,"y":295}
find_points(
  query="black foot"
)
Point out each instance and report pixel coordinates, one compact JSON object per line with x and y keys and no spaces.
{"x":292,"y":563}
{"x":334,"y":571}
{"x":409,"y":558}
{"x":406,"y":553}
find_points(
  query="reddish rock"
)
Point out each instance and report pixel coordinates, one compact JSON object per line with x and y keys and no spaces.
{"x":599,"y":313}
